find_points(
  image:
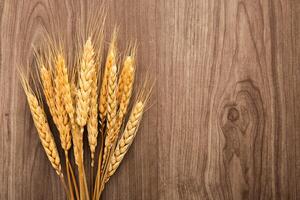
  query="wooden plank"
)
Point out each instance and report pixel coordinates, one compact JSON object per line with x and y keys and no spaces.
{"x":223,"y":121}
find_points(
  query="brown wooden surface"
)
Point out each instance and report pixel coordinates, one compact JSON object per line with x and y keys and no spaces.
{"x":225,"y":116}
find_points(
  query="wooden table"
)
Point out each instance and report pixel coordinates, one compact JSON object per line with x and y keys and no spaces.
{"x":224,"y":118}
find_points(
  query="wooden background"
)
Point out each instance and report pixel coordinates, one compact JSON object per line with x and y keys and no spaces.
{"x":225,"y":116}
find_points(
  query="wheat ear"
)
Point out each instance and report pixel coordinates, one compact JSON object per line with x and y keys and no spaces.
{"x":87,"y":69}
{"x":111,"y":111}
{"x":62,"y":115}
{"x":42,"y":126}
{"x":110,"y":61}
{"x":48,"y":89}
{"x":125,"y":76}
{"x":66,"y":91}
{"x":65,"y":94}
{"x":126,"y":84}
{"x":76,"y":135}
{"x":126,"y":139}
{"x":92,"y":124}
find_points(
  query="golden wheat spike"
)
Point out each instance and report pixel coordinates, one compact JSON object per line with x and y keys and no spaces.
{"x":110,"y":61}
{"x":111,"y":101}
{"x":111,"y":110}
{"x":92,"y":124}
{"x":48,"y":89}
{"x":126,"y":74}
{"x":42,"y":126}
{"x":66,"y":89}
{"x":76,"y":135}
{"x":126,"y":139}
{"x":126,"y":84}
{"x":62,"y":115}
{"x":87,"y":69}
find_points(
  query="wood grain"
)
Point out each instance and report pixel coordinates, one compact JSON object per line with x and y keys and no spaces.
{"x":224,"y":120}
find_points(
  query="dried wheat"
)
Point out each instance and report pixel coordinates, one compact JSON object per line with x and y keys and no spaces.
{"x":110,"y":61}
{"x":76,"y":134}
{"x":111,"y":110}
{"x":48,"y":89}
{"x":67,"y":97}
{"x":126,"y":138}
{"x":42,"y":126}
{"x":62,"y":115}
{"x":92,"y":124}
{"x":127,"y":70}
{"x":87,"y":69}
{"x":85,"y":80}
{"x":126,"y":83}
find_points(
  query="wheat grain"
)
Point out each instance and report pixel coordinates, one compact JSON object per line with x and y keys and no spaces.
{"x":42,"y":126}
{"x":87,"y":69}
{"x":110,"y":61}
{"x":92,"y":124}
{"x":62,"y":115}
{"x":111,"y":110}
{"x":126,"y":138}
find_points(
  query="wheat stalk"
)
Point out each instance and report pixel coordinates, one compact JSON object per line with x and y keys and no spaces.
{"x":65,"y":106}
{"x":86,"y":73}
{"x":67,"y":95}
{"x":110,"y":61}
{"x":47,"y":83}
{"x":42,"y":126}
{"x":125,"y":76}
{"x":126,"y":139}
{"x":87,"y":69}
{"x":74,"y":103}
{"x":92,"y":124}
{"x":126,"y":84}
{"x":63,"y":124}
{"x":76,"y":134}
{"x":111,"y":111}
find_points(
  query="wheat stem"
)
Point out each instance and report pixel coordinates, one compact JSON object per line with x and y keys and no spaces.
{"x":98,"y":175}
{"x":68,"y":176}
{"x":65,"y":186}
{"x":74,"y":180}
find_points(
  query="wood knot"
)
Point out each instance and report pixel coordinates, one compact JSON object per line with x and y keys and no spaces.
{"x":233,"y":114}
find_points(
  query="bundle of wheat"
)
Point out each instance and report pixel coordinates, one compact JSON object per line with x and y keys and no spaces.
{"x":78,"y":97}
